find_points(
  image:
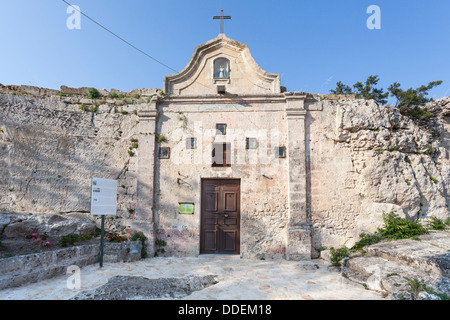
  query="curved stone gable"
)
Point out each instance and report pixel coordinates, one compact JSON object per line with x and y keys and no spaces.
{"x":245,"y":76}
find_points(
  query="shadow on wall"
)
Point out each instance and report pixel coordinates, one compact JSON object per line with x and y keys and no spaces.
{"x":52,"y":156}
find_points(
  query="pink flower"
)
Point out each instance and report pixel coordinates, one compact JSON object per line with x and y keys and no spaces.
{"x":38,"y":240}
{"x":34,"y":234}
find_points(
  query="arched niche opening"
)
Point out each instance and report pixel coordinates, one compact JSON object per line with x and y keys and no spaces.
{"x":221,"y":68}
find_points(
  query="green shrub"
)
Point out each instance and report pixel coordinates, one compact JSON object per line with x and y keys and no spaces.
{"x":418,"y":285}
{"x":160,"y":138}
{"x":338,"y":255}
{"x":113,"y":95}
{"x":68,"y":240}
{"x":395,"y":228}
{"x":140,"y":236}
{"x":93,"y":93}
{"x":429,"y":151}
{"x":436,"y":224}
{"x":417,"y":113}
{"x":160,"y":244}
{"x":82,"y":107}
{"x":367,"y":239}
{"x":399,"y":228}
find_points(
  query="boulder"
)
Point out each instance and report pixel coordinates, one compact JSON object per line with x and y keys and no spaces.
{"x":53,"y":225}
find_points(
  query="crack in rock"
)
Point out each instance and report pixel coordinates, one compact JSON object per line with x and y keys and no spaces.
{"x":141,"y":288}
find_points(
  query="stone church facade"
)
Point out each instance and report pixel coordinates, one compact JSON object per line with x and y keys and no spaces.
{"x":231,"y":144}
{"x":221,"y":161}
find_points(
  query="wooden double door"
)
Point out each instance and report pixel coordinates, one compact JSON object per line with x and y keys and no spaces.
{"x":220,"y":216}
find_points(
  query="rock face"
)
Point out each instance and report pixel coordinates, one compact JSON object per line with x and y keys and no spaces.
{"x":18,"y":226}
{"x":405,"y":269}
{"x":365,"y":159}
{"x":50,"y":150}
{"x":361,"y":159}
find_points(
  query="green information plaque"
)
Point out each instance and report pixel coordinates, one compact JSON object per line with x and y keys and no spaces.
{"x":186,"y":208}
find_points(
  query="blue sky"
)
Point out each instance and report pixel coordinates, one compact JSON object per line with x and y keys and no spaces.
{"x":312,"y":44}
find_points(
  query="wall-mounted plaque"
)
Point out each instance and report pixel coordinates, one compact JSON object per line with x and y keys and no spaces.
{"x":186,"y":208}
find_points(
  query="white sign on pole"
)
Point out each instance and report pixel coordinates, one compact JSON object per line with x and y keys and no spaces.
{"x":103,"y":197}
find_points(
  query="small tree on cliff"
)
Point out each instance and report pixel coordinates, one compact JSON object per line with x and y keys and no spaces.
{"x":412,"y":97}
{"x":341,"y":89}
{"x":410,"y":101}
{"x":366,"y":90}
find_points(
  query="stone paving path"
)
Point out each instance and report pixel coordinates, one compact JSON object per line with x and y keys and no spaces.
{"x":237,"y":279}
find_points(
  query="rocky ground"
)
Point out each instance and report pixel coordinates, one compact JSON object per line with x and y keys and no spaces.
{"x":141,"y":288}
{"x":403,"y":269}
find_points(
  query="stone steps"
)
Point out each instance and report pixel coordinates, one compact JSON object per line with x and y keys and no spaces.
{"x":430,"y":254}
{"x":387,"y":266}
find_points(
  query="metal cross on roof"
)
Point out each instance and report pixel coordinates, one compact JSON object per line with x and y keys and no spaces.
{"x":221,"y":17}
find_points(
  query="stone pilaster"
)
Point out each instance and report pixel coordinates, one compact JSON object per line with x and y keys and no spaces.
{"x":298,"y":230}
{"x":145,"y":173}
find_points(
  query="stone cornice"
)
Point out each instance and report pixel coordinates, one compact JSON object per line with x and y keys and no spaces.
{"x":149,"y":114}
{"x":291,"y":97}
{"x":295,"y":113}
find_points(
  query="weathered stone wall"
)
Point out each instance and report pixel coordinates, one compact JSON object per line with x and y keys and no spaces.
{"x":365,"y":159}
{"x":22,"y":270}
{"x":50,"y":150}
{"x":361,"y":159}
{"x":25,"y":269}
{"x":264,"y":193}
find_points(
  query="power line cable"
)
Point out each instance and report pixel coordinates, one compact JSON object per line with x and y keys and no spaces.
{"x":136,"y":48}
{"x":120,"y":38}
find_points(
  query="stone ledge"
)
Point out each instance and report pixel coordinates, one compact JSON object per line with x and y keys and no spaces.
{"x":22,"y":270}
{"x":430,"y":254}
{"x":389,"y":266}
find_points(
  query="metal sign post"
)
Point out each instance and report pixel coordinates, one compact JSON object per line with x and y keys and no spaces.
{"x":102,"y":236}
{"x":103,"y":203}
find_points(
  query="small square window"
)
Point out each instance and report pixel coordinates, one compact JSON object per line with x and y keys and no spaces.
{"x":164,"y":153}
{"x":191,"y":143}
{"x":281,"y":152}
{"x":221,"y":129}
{"x":252,"y":143}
